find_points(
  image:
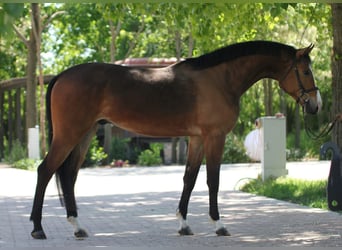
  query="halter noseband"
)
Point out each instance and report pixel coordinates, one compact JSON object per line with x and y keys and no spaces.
{"x":302,"y":90}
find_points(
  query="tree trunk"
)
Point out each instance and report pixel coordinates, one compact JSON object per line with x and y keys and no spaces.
{"x":337,"y":70}
{"x":37,"y":31}
{"x":114,"y":31}
{"x":107,"y":128}
{"x":268,"y":96}
{"x":178,"y":43}
{"x":31,"y":84}
{"x":283,"y":108}
{"x":181,"y":141}
{"x":191,"y":42}
{"x":297,"y":126}
{"x":2,"y":131}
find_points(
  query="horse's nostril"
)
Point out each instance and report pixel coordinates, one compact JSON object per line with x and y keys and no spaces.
{"x":311,"y":109}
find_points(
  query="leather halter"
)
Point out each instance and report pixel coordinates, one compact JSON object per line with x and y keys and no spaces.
{"x":302,"y":90}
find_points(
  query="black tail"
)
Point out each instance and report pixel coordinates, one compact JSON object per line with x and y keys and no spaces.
{"x":50,"y":131}
{"x":48,"y":107}
{"x":60,"y":172}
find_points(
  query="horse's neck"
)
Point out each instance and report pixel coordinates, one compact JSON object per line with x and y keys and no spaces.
{"x":254,"y":69}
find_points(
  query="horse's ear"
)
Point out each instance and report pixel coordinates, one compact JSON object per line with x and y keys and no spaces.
{"x":304,"y":51}
{"x":309,"y":48}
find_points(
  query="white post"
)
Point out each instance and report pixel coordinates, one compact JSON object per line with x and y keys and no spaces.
{"x":33,"y":143}
{"x":273,"y":158}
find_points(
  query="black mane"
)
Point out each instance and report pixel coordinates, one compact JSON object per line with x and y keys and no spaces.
{"x":237,"y":50}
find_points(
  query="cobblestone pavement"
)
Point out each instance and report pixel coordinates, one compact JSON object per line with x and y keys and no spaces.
{"x":134,"y":207}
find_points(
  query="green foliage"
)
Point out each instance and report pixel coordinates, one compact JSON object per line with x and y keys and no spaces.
{"x":119,"y":149}
{"x":26,"y":164}
{"x":307,"y":193}
{"x":308,"y":148}
{"x":234,"y":151}
{"x":150,"y":157}
{"x":122,"y":150}
{"x":17,"y":152}
{"x":7,"y":63}
{"x":8,"y":13}
{"x":17,"y":157}
{"x":95,"y":154}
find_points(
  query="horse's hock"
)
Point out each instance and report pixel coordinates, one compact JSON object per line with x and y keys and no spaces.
{"x":273,"y":156}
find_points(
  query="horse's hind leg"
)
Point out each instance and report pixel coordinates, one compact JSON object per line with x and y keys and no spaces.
{"x":195,"y":157}
{"x":46,"y":169}
{"x":66,"y":177}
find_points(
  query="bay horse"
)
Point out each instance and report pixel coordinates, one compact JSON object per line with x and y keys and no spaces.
{"x":197,"y":97}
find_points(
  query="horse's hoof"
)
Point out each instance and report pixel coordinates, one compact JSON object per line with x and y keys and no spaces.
{"x":185,"y":231}
{"x":80,"y":234}
{"x":222,"y":232}
{"x":38,"y":235}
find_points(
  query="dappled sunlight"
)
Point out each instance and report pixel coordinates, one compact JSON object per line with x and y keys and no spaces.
{"x":125,"y":233}
{"x":131,"y":215}
{"x":125,"y":219}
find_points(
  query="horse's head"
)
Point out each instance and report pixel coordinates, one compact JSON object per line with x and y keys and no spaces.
{"x":300,"y":84}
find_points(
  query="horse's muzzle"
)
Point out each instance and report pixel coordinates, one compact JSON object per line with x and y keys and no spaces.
{"x":311,"y":106}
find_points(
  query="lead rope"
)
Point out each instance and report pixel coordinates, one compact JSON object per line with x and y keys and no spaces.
{"x":324,"y":132}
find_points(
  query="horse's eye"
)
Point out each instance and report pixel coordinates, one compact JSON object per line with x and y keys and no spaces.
{"x":307,"y":72}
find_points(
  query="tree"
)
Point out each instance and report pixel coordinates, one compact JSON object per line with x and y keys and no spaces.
{"x":31,"y":84}
{"x":33,"y":44}
{"x":337,"y":69}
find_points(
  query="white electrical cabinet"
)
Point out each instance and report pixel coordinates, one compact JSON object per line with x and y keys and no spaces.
{"x":273,"y":158}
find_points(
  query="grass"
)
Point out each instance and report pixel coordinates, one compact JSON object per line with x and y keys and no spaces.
{"x":307,"y":193}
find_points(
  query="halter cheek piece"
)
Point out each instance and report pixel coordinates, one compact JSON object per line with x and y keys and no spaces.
{"x":303,"y":92}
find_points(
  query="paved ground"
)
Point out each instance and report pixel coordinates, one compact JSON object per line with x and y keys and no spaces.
{"x":134,"y":207}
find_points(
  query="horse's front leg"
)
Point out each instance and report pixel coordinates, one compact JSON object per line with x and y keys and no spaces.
{"x":194,"y":160}
{"x":213,"y":147}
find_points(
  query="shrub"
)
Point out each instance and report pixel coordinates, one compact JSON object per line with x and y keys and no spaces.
{"x":95,"y":154}
{"x":17,"y":152}
{"x":26,"y":164}
{"x":234,"y":150}
{"x":118,"y":149}
{"x":308,"y":147}
{"x":151,"y":156}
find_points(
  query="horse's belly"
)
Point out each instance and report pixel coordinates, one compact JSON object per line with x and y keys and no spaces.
{"x":160,"y":128}
{"x":182,"y":125}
